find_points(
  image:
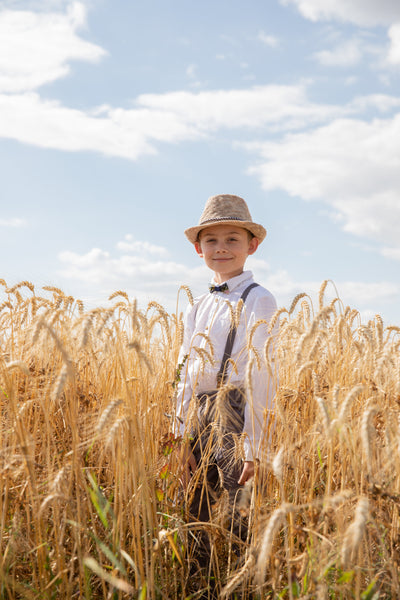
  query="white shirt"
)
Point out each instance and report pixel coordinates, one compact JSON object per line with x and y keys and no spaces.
{"x":211,"y":315}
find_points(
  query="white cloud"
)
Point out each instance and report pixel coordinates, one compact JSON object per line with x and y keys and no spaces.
{"x":351,"y":80}
{"x":393,"y":253}
{"x":36,"y":47}
{"x":394,"y":51}
{"x":346,"y":54}
{"x":137,"y":270}
{"x":275,"y":106}
{"x":361,"y":293}
{"x":364,"y":296}
{"x":191,"y":71}
{"x":39,"y":5}
{"x":380,"y":102}
{"x":131,"y":245}
{"x":13,"y":222}
{"x":361,"y":12}
{"x":365,"y":13}
{"x":269,"y":40}
{"x":350,"y":165}
{"x":137,"y":263}
{"x":47,"y":124}
{"x":147,"y":124}
{"x":171,"y":117}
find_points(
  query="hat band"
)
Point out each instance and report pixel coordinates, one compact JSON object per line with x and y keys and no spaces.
{"x":221,"y":219}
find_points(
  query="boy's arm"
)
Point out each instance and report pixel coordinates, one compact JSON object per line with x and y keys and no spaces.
{"x":261,"y":387}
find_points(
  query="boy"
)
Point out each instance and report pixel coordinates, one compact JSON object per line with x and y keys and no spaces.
{"x":225,"y":236}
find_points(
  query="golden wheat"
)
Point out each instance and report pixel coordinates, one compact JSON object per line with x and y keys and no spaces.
{"x":91,"y":504}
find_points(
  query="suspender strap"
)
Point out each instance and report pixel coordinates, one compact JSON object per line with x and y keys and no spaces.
{"x":221,"y":375}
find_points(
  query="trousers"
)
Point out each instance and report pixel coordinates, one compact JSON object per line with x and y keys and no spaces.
{"x":220,"y":421}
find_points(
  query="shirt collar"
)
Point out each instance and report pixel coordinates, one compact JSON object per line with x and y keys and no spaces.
{"x":235,"y":282}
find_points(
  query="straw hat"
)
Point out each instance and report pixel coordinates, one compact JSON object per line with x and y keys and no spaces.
{"x":226,"y":209}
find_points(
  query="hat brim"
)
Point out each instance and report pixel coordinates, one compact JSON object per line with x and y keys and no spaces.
{"x":257,"y":230}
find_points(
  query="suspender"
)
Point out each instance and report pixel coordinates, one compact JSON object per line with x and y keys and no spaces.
{"x":221,"y":375}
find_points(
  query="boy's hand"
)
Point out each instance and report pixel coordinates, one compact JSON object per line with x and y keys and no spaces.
{"x":188,"y":465}
{"x":247,"y":473}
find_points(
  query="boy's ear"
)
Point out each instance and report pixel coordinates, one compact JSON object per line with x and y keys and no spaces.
{"x":253,"y":245}
{"x":198,"y":249}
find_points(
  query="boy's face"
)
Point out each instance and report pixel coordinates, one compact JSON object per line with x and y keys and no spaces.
{"x":225,"y":249}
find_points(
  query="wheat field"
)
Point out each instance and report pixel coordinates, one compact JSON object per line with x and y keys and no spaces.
{"x":90,"y":494}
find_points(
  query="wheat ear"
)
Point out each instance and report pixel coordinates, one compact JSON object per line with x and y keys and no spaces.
{"x":355,"y":531}
{"x":271,"y":530}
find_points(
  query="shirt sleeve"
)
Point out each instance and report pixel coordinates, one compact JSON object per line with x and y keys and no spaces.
{"x":260,"y":385}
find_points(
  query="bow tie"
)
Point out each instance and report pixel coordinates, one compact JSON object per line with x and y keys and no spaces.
{"x":218,"y":288}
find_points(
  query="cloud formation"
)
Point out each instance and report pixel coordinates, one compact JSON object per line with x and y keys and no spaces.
{"x":269,"y":40}
{"x":280,"y":107}
{"x":345,"y":54}
{"x":335,"y":154}
{"x":140,"y":264}
{"x":364,"y":13}
{"x":351,"y":165}
{"x":29,"y":119}
{"x":394,"y":51}
{"x":361,"y":12}
{"x":36,"y":48}
{"x":129,"y":244}
{"x":140,"y":268}
{"x":166,"y":118}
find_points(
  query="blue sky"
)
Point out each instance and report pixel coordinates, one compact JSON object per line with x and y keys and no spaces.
{"x":119,"y":119}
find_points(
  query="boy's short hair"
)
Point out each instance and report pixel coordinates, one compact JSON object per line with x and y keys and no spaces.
{"x":226,"y":209}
